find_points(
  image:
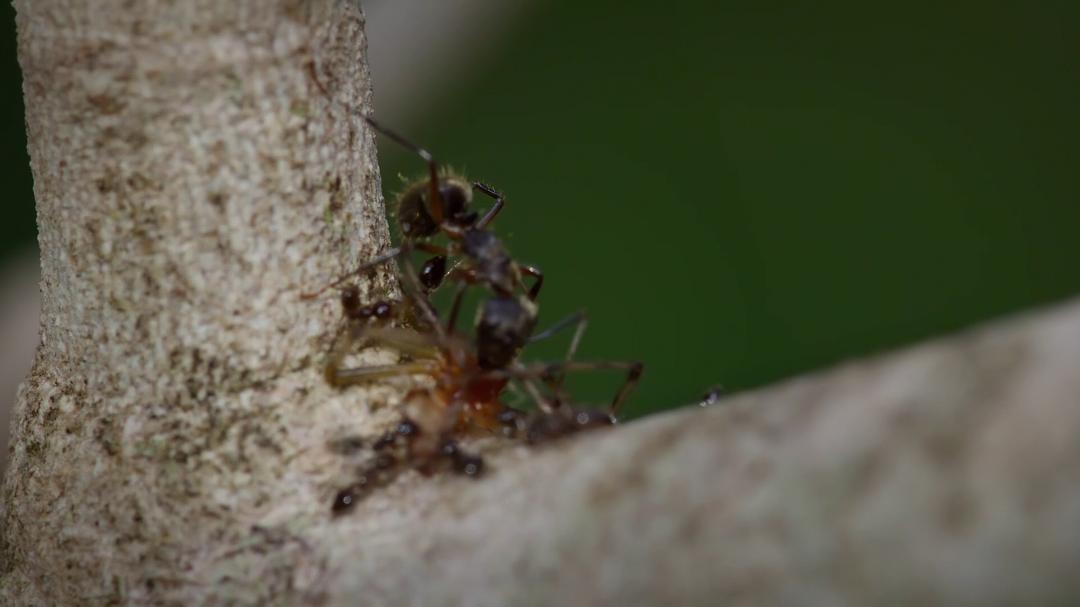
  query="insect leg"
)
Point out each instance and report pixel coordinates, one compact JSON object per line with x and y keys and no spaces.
{"x":381,"y":259}
{"x":547,"y":372}
{"x":357,"y":375}
{"x":581,"y":321}
{"x":495,"y":208}
{"x":535,"y":272}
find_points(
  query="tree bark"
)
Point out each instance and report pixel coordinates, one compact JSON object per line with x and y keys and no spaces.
{"x":170,"y":442}
{"x":191,"y":179}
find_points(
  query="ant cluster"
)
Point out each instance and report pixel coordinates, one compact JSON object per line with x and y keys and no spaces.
{"x":469,"y":370}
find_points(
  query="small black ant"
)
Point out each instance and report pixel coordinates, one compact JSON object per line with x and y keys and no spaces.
{"x":713,"y":395}
{"x":395,"y":452}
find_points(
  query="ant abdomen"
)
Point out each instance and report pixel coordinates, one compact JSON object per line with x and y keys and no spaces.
{"x":503,"y":327}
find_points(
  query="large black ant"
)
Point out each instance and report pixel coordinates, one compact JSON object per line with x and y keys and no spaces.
{"x":439,"y":203}
{"x":469,"y":375}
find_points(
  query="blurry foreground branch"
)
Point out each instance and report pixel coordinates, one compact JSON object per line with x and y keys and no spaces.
{"x":170,"y":442}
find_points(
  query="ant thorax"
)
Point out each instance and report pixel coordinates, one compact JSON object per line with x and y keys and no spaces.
{"x":491,"y":261}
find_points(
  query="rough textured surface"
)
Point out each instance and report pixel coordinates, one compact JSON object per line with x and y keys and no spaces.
{"x":191,"y":179}
{"x":947,"y":474}
{"x":170,"y":443}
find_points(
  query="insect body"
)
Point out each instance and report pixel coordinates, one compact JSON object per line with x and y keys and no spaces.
{"x":467,"y":375}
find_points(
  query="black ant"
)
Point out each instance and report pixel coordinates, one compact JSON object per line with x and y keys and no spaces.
{"x":713,"y":395}
{"x":439,"y":204}
{"x":395,"y":452}
{"x":469,"y":376}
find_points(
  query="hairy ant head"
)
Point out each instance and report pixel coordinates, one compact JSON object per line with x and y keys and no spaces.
{"x":355,"y":310}
{"x":350,"y":301}
{"x":414,"y":213}
{"x":456,"y":195}
{"x":413,"y":217}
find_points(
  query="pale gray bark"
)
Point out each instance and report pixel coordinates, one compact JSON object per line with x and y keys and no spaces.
{"x":191,"y":179}
{"x":170,"y":442}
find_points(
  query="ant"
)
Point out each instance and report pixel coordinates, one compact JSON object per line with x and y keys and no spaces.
{"x":713,"y":395}
{"x":469,"y":376}
{"x":439,"y":204}
{"x":395,"y":452}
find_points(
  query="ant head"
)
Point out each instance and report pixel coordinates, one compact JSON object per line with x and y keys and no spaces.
{"x":456,"y":196}
{"x":350,"y":301}
{"x":354,"y":310}
{"x":414,"y":216}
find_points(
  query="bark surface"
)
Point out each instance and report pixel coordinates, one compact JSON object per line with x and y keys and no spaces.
{"x":170,"y":443}
{"x":191,"y":179}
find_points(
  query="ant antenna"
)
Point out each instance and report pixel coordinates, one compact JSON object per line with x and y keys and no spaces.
{"x":381,"y":259}
{"x":495,"y":208}
{"x":399,"y":139}
{"x":435,"y":200}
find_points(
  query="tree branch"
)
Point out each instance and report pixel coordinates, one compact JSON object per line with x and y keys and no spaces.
{"x":170,"y":442}
{"x":191,"y":179}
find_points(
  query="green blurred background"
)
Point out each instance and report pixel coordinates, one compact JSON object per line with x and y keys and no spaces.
{"x":741,"y":192}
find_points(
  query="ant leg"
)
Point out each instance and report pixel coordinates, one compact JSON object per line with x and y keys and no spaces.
{"x":427,"y":247}
{"x":464,"y":277}
{"x":495,"y":208}
{"x":455,"y":308}
{"x":381,"y":259}
{"x":410,"y":342}
{"x":535,"y":272}
{"x":577,"y":318}
{"x":552,"y":370}
{"x":407,"y":341}
{"x":358,"y":375}
{"x":581,"y":320}
{"x":435,"y":201}
{"x":541,"y":401}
